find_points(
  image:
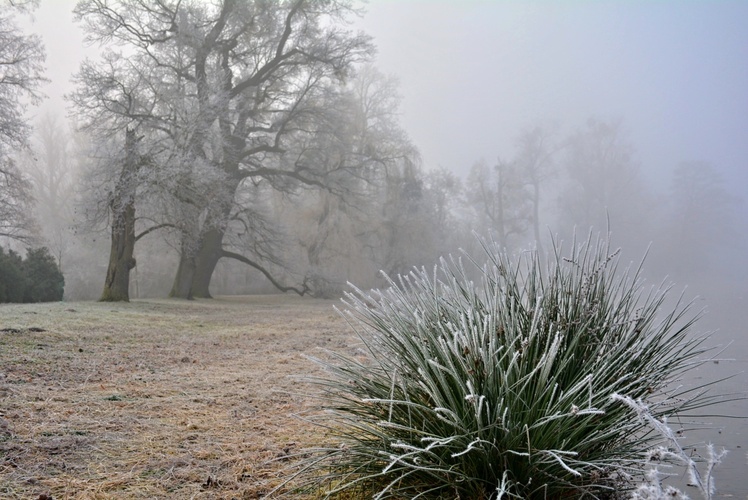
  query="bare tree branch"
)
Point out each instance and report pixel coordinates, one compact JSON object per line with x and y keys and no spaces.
{"x":301,"y":291}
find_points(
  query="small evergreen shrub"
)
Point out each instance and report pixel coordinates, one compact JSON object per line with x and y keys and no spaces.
{"x":44,"y":280}
{"x":37,"y":278}
{"x":12,"y":278}
{"x":504,"y":387}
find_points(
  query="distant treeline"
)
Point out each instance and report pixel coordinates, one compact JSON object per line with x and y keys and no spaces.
{"x":36,"y":278}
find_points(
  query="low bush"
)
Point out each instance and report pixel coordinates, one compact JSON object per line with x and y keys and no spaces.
{"x":37,"y":278}
{"x":503,"y":387}
{"x":44,"y":280}
{"x":12,"y":279}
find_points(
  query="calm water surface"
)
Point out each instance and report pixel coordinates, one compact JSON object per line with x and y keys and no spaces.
{"x":730,"y":320}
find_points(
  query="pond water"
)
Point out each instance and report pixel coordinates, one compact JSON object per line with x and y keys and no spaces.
{"x":729,"y":317}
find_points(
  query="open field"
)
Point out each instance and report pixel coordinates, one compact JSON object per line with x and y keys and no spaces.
{"x":158,"y":398}
{"x":201,"y":399}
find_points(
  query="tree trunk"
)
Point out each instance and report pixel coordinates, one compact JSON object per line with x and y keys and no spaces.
{"x":210,"y":253}
{"x":500,"y":222}
{"x":536,"y":216}
{"x":202,"y":250}
{"x":182,"y":287}
{"x":122,"y":206}
{"x":121,"y":260}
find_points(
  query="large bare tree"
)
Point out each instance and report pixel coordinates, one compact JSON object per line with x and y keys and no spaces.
{"x":120,"y":102}
{"x":604,"y":185}
{"x":50,"y":166}
{"x":245,"y":80}
{"x":340,"y":229}
{"x":535,"y":162}
{"x":499,"y":200}
{"x":21,"y":74}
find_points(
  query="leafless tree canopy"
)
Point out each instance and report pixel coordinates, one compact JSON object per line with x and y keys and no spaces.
{"x":21,"y":73}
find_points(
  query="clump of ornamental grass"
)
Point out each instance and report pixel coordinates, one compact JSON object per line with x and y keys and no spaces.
{"x":502,"y":386}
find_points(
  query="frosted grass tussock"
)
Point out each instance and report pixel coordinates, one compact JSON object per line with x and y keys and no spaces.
{"x":495,"y":380}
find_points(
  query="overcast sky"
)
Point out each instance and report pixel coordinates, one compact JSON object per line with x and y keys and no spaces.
{"x":474,"y":73}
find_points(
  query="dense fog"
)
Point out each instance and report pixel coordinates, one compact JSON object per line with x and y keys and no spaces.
{"x":195,"y":148}
{"x":525,"y":123}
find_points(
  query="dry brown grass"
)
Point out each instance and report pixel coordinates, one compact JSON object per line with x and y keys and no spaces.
{"x":158,"y":398}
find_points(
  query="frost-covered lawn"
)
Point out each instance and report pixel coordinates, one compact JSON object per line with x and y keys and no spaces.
{"x":157,"y":399}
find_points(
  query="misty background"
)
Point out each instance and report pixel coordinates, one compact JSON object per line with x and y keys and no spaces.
{"x":664,"y":84}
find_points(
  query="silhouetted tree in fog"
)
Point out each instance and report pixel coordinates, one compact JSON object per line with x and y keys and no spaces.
{"x":340,"y":228}
{"x":16,"y":203}
{"x":603,"y":184}
{"x":499,"y":201}
{"x":120,"y":102}
{"x":701,"y":219}
{"x":535,"y":163}
{"x":49,"y":165}
{"x":21,"y":74}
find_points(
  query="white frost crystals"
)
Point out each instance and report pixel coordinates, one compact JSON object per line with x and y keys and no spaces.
{"x":653,"y":487}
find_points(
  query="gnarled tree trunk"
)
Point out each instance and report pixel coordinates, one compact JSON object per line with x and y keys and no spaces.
{"x":182,"y":287}
{"x":196,"y":267}
{"x":201,"y":250}
{"x":210,"y":253}
{"x":122,"y":207}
